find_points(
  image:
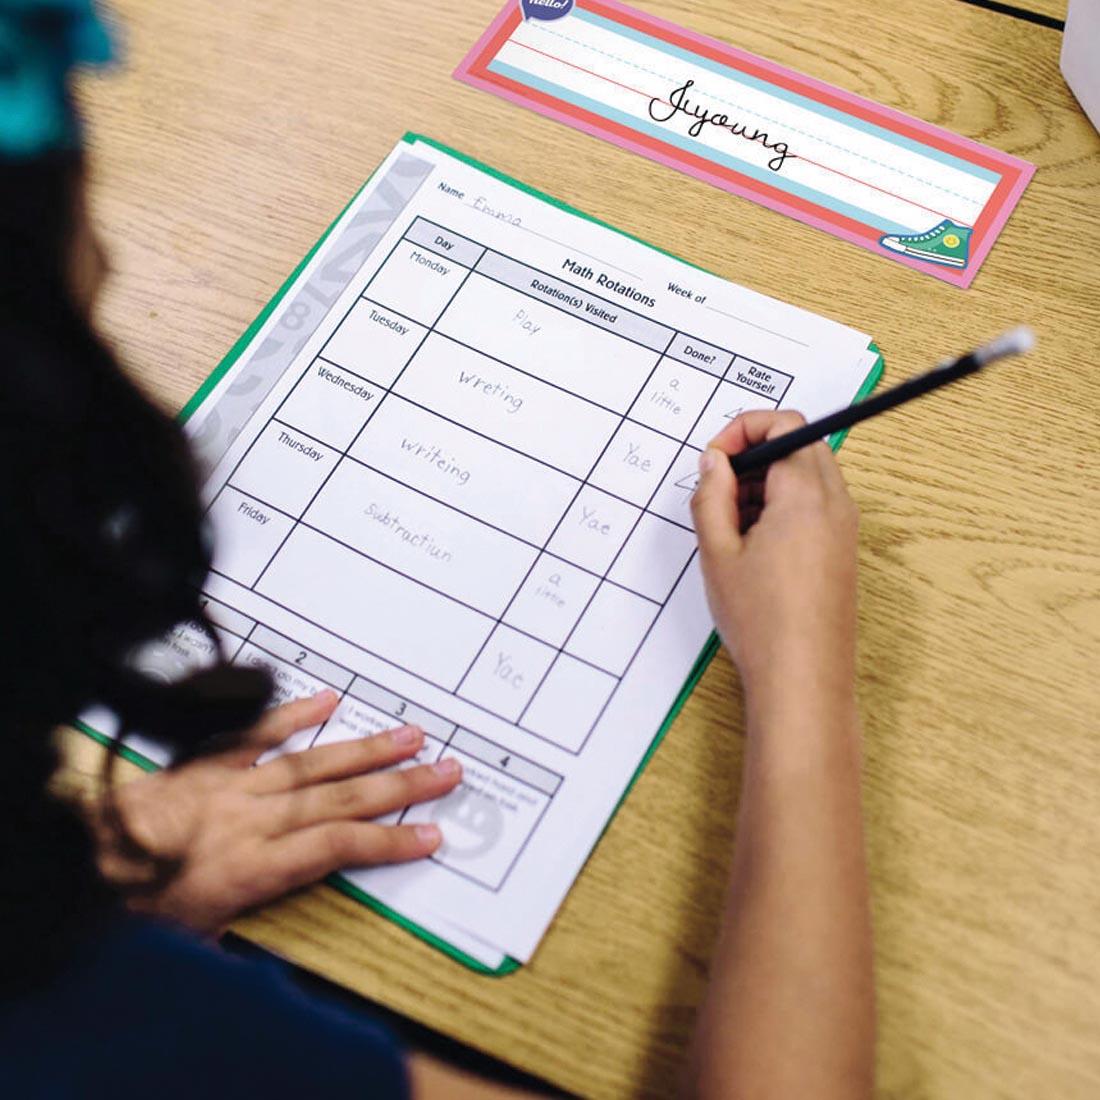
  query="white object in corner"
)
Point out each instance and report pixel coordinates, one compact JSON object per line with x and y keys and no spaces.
{"x":1081,"y":55}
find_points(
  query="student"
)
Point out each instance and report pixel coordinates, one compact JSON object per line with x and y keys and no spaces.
{"x":106,"y":989}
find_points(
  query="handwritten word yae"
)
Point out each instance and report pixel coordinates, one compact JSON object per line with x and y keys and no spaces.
{"x":679,"y":103}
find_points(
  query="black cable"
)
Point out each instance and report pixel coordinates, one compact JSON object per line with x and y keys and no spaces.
{"x":1020,"y":13}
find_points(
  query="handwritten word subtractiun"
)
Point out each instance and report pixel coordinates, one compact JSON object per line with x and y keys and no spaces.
{"x":545,"y":9}
{"x":678,"y":102}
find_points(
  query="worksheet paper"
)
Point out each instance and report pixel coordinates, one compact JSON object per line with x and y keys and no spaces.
{"x":460,"y":498}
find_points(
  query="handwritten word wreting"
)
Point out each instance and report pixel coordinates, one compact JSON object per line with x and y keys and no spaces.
{"x":679,"y":103}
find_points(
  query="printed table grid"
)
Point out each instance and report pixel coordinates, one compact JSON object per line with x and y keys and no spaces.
{"x":281,"y":654}
{"x":438,"y":265}
{"x":475,"y":519}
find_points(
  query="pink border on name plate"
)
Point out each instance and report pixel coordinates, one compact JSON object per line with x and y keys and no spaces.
{"x":1015,"y":173}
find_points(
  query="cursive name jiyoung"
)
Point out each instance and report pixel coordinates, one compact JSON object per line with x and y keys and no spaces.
{"x":661,"y":110}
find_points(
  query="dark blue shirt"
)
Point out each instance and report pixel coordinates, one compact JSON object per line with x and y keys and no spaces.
{"x":146,"y":1011}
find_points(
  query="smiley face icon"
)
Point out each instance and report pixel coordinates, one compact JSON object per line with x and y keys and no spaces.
{"x":159,"y":661}
{"x":472,"y":823}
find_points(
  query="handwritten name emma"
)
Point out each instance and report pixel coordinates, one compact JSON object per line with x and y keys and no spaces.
{"x":662,"y":110}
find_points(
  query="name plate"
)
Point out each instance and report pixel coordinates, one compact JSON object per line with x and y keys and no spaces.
{"x":895,"y":185}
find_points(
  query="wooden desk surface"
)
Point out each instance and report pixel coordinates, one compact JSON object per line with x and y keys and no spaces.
{"x":234,"y":135}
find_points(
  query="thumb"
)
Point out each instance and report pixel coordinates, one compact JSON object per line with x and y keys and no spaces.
{"x":714,"y":505}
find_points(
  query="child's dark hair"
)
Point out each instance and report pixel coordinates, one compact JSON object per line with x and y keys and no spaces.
{"x":103,"y":548}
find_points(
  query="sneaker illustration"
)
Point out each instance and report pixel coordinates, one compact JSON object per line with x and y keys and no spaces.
{"x":947,"y":244}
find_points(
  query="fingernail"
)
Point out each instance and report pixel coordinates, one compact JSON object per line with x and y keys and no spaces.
{"x":428,"y":834}
{"x":448,"y":768}
{"x":326,"y":696}
{"x":406,"y":735}
{"x":706,"y":462}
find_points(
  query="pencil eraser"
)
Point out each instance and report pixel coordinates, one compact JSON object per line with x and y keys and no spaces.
{"x":1023,"y":337}
{"x":1017,"y":341}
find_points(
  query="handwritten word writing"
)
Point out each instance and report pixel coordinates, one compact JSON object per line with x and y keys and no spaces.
{"x":512,"y":401}
{"x":435,"y":457}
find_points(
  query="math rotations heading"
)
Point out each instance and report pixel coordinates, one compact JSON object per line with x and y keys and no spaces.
{"x":585,"y":271}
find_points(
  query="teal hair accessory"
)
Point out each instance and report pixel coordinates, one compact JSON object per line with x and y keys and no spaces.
{"x":40,"y":42}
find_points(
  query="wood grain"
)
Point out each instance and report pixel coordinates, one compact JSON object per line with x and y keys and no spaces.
{"x":1056,"y":9}
{"x":233,"y":136}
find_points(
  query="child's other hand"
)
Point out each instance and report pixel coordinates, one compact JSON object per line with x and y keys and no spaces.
{"x":242,"y":835}
{"x":779,"y":560}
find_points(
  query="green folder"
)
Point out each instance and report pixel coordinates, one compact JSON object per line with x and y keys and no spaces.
{"x":509,"y":965}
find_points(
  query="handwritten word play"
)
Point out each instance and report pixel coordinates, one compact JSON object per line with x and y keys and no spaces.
{"x":523,"y":319}
{"x":678,"y":102}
